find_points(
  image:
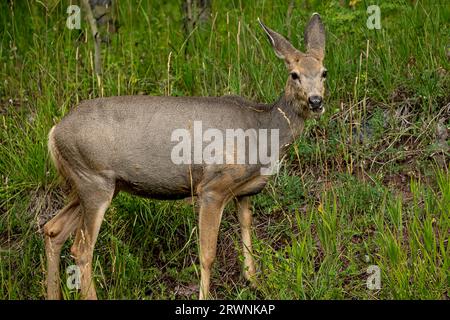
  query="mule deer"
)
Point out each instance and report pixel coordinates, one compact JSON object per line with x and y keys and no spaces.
{"x":124,"y":143}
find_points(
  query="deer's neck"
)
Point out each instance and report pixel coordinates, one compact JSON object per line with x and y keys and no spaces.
{"x":287,"y":116}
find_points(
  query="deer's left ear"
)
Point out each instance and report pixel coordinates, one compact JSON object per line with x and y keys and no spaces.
{"x":283,"y":48}
{"x":315,"y":37}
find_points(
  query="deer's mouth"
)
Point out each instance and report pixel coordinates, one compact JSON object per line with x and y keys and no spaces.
{"x":317,"y":110}
{"x":316,"y":104}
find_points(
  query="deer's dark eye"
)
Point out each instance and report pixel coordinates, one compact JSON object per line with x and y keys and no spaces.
{"x":295,"y":76}
{"x":324,"y":73}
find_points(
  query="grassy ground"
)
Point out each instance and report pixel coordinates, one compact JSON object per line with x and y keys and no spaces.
{"x":370,"y":184}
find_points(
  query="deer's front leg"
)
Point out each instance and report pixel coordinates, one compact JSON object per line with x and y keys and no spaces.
{"x":245,"y":220}
{"x":211,"y":207}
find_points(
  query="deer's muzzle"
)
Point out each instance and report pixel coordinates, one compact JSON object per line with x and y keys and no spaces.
{"x":315,"y":103}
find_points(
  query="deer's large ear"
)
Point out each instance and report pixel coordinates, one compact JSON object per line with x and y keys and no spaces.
{"x":315,"y":37}
{"x":283,"y":49}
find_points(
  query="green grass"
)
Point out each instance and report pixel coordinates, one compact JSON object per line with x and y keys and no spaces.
{"x":370,"y":184}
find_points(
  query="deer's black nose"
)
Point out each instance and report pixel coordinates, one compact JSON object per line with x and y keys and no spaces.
{"x":315,"y":102}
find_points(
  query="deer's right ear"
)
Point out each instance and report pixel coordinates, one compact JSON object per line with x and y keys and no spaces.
{"x":315,"y":37}
{"x":283,"y":49}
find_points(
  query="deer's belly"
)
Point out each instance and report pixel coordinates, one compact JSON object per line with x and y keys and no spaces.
{"x":155,"y":191}
{"x":158,"y":179}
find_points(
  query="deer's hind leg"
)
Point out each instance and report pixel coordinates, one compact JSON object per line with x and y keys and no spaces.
{"x":245,"y":220}
{"x":56,"y":231}
{"x":95,"y":198}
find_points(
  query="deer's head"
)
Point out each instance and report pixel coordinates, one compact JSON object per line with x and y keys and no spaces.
{"x":306,"y":83}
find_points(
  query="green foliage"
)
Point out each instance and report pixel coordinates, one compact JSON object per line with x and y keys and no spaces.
{"x":367,"y":184}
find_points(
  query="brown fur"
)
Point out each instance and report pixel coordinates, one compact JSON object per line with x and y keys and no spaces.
{"x":118,"y":144}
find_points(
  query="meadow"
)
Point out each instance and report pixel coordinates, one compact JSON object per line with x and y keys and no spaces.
{"x":367,"y":184}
